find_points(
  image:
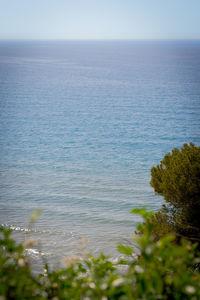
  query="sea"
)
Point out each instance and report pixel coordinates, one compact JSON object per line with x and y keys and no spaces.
{"x":82,"y":123}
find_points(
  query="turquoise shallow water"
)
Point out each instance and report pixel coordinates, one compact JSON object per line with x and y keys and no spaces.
{"x":82,"y":123}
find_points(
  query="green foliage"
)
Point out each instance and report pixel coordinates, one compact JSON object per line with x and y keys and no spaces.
{"x":125,"y":249}
{"x":162,"y":271}
{"x":35,"y":215}
{"x":177,"y":179}
{"x":16,"y":281}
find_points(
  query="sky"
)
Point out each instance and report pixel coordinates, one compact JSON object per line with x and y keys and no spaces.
{"x":99,"y":19}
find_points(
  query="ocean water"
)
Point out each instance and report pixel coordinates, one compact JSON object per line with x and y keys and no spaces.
{"x":82,"y":123}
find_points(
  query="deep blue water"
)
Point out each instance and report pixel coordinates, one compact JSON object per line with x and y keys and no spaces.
{"x":82,"y":123}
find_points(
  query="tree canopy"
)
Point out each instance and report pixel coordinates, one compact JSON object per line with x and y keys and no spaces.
{"x":177,"y":179}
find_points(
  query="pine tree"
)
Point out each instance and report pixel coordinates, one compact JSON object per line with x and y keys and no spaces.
{"x":177,"y":179}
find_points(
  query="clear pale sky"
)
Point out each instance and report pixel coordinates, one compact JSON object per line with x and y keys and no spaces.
{"x":99,"y":19}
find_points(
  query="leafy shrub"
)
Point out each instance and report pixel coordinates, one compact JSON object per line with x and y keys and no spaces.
{"x":162,"y":271}
{"x":16,"y":281}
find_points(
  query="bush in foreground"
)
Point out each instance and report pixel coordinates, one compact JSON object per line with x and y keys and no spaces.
{"x":162,"y":271}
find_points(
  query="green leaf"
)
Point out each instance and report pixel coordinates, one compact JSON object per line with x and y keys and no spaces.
{"x":125,"y":249}
{"x":35,"y":215}
{"x":142,"y":212}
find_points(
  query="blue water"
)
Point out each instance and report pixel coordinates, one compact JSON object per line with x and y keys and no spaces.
{"x":82,"y":123}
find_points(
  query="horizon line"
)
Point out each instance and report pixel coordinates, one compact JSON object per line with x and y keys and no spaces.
{"x":103,"y":39}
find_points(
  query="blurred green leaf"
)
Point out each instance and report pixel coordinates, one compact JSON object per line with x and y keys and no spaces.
{"x":35,"y":215}
{"x":125,"y":249}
